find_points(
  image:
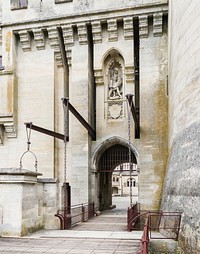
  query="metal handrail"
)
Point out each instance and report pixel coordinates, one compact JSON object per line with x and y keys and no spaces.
{"x":77,"y":213}
{"x":145,"y":236}
{"x":147,"y":230}
{"x":132,"y":213}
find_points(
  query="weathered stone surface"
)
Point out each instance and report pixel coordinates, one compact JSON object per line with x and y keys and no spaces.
{"x":182,"y":191}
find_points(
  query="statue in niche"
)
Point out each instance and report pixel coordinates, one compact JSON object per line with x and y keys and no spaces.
{"x":115,"y":84}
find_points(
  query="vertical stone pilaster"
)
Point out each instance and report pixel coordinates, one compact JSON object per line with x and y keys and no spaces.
{"x":143,"y":26}
{"x":96,"y":32}
{"x":128,"y":28}
{"x":79,"y":141}
{"x":25,"y":40}
{"x":112,"y":30}
{"x":153,"y":102}
{"x":157,"y":24}
{"x":39,"y":38}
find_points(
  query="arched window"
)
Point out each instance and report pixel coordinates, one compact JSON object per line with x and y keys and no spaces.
{"x":131,"y":182}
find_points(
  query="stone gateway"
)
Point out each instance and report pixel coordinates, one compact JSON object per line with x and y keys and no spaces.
{"x":94,"y":53}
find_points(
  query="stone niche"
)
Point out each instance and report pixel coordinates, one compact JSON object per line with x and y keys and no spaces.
{"x":114,"y":85}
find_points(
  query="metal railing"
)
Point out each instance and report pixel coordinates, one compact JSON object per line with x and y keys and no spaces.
{"x":165,"y":223}
{"x":132,"y":213}
{"x":145,"y":236}
{"x":71,"y":216}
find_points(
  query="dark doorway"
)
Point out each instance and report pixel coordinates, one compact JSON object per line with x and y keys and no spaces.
{"x":114,"y":156}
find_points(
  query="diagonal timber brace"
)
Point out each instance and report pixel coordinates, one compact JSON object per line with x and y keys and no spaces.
{"x":134,"y":114}
{"x":91,"y":131}
{"x":66,"y":102}
{"x":45,"y":131}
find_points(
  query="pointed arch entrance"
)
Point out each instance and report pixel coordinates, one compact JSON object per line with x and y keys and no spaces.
{"x":115,"y":156}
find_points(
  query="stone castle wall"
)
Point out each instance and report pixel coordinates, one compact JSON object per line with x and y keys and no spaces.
{"x":181,"y":191}
{"x":32,"y":85}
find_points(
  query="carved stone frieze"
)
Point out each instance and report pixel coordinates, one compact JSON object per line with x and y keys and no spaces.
{"x":97,"y":32}
{"x":68,"y":35}
{"x":25,"y":40}
{"x":39,"y":38}
{"x":98,"y":74}
{"x":157,"y":24}
{"x":82,"y":33}
{"x":115,"y":109}
{"x":112,"y":30}
{"x":128,"y":28}
{"x":143,"y":26}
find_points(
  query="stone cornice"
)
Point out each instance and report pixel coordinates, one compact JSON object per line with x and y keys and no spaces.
{"x":101,"y":15}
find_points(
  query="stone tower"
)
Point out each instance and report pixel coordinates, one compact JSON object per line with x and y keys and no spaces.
{"x":181,"y":190}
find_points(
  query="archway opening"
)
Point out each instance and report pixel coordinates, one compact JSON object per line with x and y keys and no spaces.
{"x":114,"y":175}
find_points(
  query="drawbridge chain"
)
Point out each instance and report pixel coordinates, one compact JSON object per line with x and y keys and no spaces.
{"x":65,"y":109}
{"x":129,"y":150}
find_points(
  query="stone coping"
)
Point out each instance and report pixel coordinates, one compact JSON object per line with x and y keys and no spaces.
{"x":18,"y":171}
{"x":47,"y":180}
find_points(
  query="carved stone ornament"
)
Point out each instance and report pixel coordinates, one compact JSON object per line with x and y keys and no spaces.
{"x":115,"y":110}
{"x":115,"y":82}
